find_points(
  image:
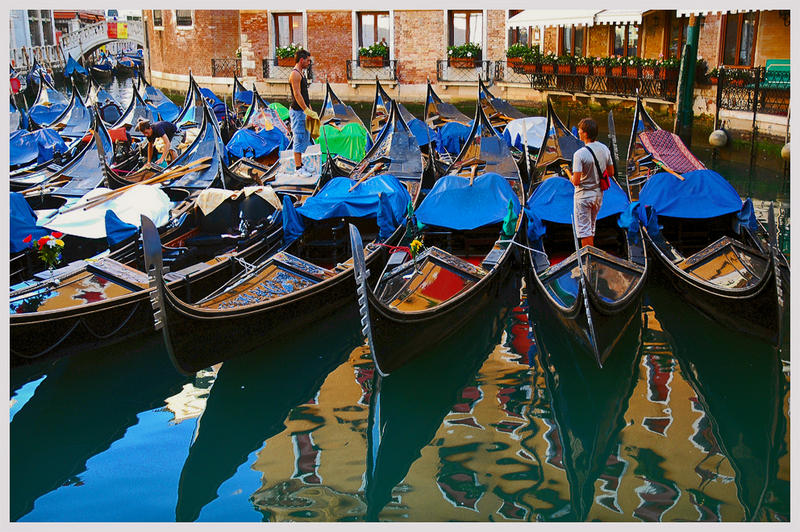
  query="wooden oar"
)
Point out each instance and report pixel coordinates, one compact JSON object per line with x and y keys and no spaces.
{"x":472,"y":174}
{"x":368,"y":174}
{"x":37,"y":188}
{"x":668,"y":169}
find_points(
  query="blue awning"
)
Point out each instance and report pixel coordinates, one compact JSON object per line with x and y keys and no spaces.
{"x":702,"y":194}
{"x":454,"y":204}
{"x":552,"y":201}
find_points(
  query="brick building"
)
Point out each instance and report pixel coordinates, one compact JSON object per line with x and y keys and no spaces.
{"x":216,"y":44}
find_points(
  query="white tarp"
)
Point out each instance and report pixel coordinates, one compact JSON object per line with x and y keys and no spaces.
{"x":535,"y":126}
{"x":149,"y":200}
{"x":553,"y":17}
{"x":619,"y":16}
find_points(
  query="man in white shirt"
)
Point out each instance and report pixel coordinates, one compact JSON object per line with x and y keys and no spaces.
{"x":588,"y":196}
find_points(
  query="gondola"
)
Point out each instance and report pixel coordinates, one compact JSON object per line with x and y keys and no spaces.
{"x":499,"y":111}
{"x":110,"y":111}
{"x":339,"y":121}
{"x":15,"y":117}
{"x":104,"y":300}
{"x":407,"y":408}
{"x":311,"y":275}
{"x":162,"y":106}
{"x":124,"y":67}
{"x":32,"y":80}
{"x":282,"y":375}
{"x":425,"y":136}
{"x":588,"y":403}
{"x":452,"y":126}
{"x":703,"y":237}
{"x":74,"y":121}
{"x":137,"y":110}
{"x":102,"y":69}
{"x":595,"y":291}
{"x":260,"y":138}
{"x":87,"y":403}
{"x":471,"y":221}
{"x":75,"y":71}
{"x":242,"y":99}
{"x":49,"y":104}
{"x":736,"y":377}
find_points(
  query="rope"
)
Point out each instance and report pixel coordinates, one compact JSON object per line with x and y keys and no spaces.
{"x":246,"y":265}
{"x":516,"y":244}
{"x":395,"y":248}
{"x":124,"y":322}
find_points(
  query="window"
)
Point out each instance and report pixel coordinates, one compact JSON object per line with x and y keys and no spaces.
{"x":739,"y":39}
{"x":288,"y":29}
{"x":572,"y":41}
{"x":626,"y":40}
{"x":36,"y":30}
{"x":677,"y":36}
{"x":47,"y":27}
{"x":373,"y":27}
{"x":518,"y":35}
{"x":464,"y":27}
{"x":183,"y":17}
{"x":41,"y":27}
{"x":158,"y":19}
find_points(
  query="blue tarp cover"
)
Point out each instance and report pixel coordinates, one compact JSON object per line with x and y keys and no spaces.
{"x":40,"y":145}
{"x":703,"y":194}
{"x":217,"y":105}
{"x":46,"y":114}
{"x":293,"y":225}
{"x":248,"y":143}
{"x":552,"y":201}
{"x":23,"y":223}
{"x":245,"y":96}
{"x":335,"y":200}
{"x":451,"y":136}
{"x":73,"y":66}
{"x":454,"y":204}
{"x":117,"y":230}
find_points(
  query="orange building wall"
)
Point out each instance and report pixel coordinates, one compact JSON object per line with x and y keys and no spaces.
{"x":652,"y":35}
{"x":330,"y":43}
{"x":772,"y":38}
{"x":254,"y":39}
{"x":495,"y":35}
{"x":598,"y":45}
{"x":709,"y":39}
{"x":420,"y":38}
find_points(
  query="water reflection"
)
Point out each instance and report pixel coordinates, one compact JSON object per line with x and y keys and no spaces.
{"x":84,"y":404}
{"x":250,"y":399}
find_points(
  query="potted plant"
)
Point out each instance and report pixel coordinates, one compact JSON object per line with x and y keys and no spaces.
{"x":649,"y":68}
{"x":632,"y":66}
{"x":564,"y":64}
{"x":532,"y":60}
{"x":466,"y":55}
{"x":616,"y":62}
{"x":373,"y":56}
{"x":583,"y":65}
{"x":285,"y":54}
{"x":601,"y":66}
{"x":549,"y":62}
{"x":669,"y":68}
{"x":713,"y":76}
{"x":515,"y":55}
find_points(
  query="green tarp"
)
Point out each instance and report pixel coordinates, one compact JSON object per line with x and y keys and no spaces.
{"x":281,"y":109}
{"x":350,"y":142}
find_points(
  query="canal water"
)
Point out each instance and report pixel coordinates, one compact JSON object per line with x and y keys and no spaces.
{"x":506,"y":422}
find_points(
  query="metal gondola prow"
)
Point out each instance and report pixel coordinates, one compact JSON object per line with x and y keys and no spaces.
{"x":586,"y":305}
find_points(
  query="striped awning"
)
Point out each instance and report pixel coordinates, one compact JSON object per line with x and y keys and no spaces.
{"x":619,"y":16}
{"x":553,"y":17}
{"x":688,"y":12}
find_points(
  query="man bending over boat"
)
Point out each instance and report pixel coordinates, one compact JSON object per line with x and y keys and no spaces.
{"x":586,"y":165}
{"x":163,"y":130}
{"x":300,"y":109}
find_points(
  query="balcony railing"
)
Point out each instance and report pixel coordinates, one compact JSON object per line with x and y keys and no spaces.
{"x":226,"y":67}
{"x":358,"y":71}
{"x":754,"y":90}
{"x":455,"y":70}
{"x":651,"y":82}
{"x":272,"y":70}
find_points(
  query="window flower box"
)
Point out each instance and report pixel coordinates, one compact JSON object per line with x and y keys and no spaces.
{"x":565,"y":69}
{"x":513,"y":61}
{"x":600,"y":70}
{"x":548,"y":69}
{"x":582,"y":69}
{"x":463,"y":62}
{"x":632,"y":71}
{"x":285,"y":61}
{"x":371,"y":62}
{"x":616,"y":71}
{"x":649,"y":72}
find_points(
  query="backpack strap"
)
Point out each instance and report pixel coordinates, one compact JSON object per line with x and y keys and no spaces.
{"x":596,"y":164}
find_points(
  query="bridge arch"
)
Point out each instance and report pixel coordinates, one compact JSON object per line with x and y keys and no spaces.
{"x":94,"y":36}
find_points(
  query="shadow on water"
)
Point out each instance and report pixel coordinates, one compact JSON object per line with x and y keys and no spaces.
{"x":250,"y":399}
{"x":588,"y":403}
{"x":408,"y":406}
{"x":84,"y":404}
{"x":741,"y":386}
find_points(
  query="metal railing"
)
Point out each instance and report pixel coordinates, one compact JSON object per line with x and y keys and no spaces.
{"x":650,"y":82}
{"x":450,"y":70}
{"x":357,"y":71}
{"x":226,"y":67}
{"x":271,"y":70}
{"x":754,"y":90}
{"x":49,"y":55}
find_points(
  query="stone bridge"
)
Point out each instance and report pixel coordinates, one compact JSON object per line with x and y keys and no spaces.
{"x":94,"y":36}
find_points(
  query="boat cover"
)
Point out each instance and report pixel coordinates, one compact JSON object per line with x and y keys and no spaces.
{"x":670,"y":149}
{"x":46,"y":113}
{"x":382,"y":197}
{"x":350,"y":141}
{"x":552,"y":201}
{"x":702,"y":194}
{"x":116,"y":230}
{"x":421,"y":132}
{"x":22,"y":223}
{"x":282,"y":110}
{"x":25,"y":146}
{"x":149,"y":200}
{"x":158,"y":102}
{"x":536,"y":127}
{"x":217,"y":105}
{"x":455,"y":204}
{"x":248,"y":143}
{"x":451,"y":136}
{"x":73,"y":66}
{"x":77,"y":121}
{"x":244,"y":96}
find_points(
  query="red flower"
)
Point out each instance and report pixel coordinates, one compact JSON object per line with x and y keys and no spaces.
{"x":42,"y":241}
{"x":27,"y":238}
{"x":57,"y":234}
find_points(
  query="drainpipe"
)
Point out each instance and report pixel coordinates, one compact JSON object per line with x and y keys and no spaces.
{"x":685,"y":100}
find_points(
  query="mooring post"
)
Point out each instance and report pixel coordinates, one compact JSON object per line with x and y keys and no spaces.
{"x":754,"y":135}
{"x":720,"y":85}
{"x":685,"y":99}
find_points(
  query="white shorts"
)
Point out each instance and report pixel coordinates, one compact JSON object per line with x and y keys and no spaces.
{"x":585,"y":210}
